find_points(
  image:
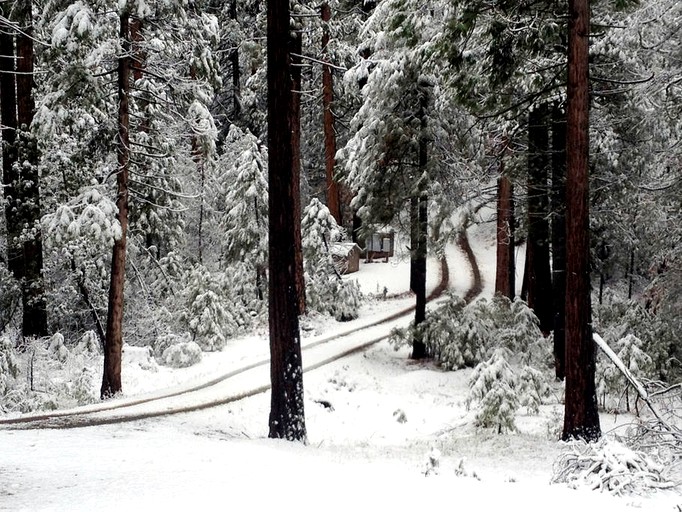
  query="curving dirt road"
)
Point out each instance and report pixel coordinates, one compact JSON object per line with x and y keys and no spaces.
{"x":246,"y":380}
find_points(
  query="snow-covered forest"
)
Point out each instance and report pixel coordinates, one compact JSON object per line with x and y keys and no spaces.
{"x":476,"y":200}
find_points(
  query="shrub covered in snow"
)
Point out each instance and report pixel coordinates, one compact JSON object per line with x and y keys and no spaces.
{"x":47,"y":374}
{"x":500,"y":391}
{"x":182,"y":355}
{"x":493,"y":384}
{"x":461,"y":335}
{"x":57,"y":349}
{"x":533,"y":388}
{"x":609,"y":466}
{"x":326,"y":291}
{"x":214,"y":311}
{"x":612,"y":386}
{"x":9,"y":368}
{"x":650,"y":333}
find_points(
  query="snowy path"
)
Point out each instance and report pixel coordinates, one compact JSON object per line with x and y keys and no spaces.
{"x":366,"y":450}
{"x":244,"y":379}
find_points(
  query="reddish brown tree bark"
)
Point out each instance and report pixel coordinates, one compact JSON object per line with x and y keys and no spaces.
{"x":581,"y":418}
{"x":295,"y":67}
{"x":333,"y":193}
{"x":35,"y":310}
{"x":287,"y":417}
{"x":558,"y":207}
{"x":111,"y":379}
{"x":505,"y":275}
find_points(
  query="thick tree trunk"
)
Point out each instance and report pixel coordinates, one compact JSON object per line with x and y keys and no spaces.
{"x":22,"y":198}
{"x":420,"y":251}
{"x":33,"y":299}
{"x":537,"y":252}
{"x":558,"y":206}
{"x":333,"y":195}
{"x":287,"y":418}
{"x":418,"y":345}
{"x":236,"y":72}
{"x":111,"y":380}
{"x":295,"y":63}
{"x":8,"y":120}
{"x":505,"y":276}
{"x":581,"y":418}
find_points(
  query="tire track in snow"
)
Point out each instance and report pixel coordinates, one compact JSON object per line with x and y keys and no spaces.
{"x":203,"y":395}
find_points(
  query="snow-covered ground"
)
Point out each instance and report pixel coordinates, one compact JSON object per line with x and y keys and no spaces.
{"x":373,"y":418}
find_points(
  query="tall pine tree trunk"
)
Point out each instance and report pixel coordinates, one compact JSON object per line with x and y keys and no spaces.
{"x":8,"y":121}
{"x":295,"y":69}
{"x":111,"y":380}
{"x":333,"y":193}
{"x":35,"y":311}
{"x":22,"y":198}
{"x":287,"y":418}
{"x":236,"y":72}
{"x":581,"y":418}
{"x":537,"y":252}
{"x":558,"y":207}
{"x":420,"y":224}
{"x":505,"y":275}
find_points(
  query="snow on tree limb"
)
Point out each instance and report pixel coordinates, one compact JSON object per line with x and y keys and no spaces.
{"x":621,"y":366}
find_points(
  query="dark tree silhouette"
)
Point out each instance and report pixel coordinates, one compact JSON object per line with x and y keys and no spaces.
{"x":419,"y":224}
{"x":287,"y":418}
{"x":581,"y":418}
{"x":25,"y":248}
{"x":539,"y":278}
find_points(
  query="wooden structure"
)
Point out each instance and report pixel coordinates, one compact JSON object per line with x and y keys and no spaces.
{"x":346,"y":256}
{"x":380,"y":245}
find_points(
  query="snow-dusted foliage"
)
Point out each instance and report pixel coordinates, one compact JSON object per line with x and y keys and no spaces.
{"x":643,"y":339}
{"x":408,"y":140}
{"x":610,"y":466}
{"x":172,"y":137}
{"x":182,"y":355}
{"x":493,"y":384}
{"x":244,"y":200}
{"x":210,"y":316}
{"x":49,"y":373}
{"x":533,"y":389}
{"x":9,"y":368}
{"x":610,"y":381}
{"x":326,"y":291}
{"x":10,"y":299}
{"x":461,"y":335}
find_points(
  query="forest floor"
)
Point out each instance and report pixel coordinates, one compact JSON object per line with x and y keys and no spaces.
{"x":374,"y":420}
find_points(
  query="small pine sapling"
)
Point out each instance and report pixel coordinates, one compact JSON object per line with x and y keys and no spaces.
{"x":630,"y":351}
{"x":494,"y":385}
{"x":326,"y":290}
{"x":9,"y":366}
{"x":533,"y":388}
{"x":208,"y":315}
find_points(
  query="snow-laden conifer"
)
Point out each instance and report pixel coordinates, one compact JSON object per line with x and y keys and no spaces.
{"x":494,"y":386}
{"x":326,"y":290}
